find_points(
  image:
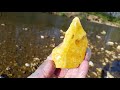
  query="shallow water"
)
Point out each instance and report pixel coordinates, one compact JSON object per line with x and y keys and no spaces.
{"x":25,"y":36}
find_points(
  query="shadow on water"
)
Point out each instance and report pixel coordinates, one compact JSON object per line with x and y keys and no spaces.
{"x":27,"y":36}
{"x":112,"y":69}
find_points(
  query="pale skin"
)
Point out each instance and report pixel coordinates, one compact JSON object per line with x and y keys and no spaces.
{"x":48,"y":70}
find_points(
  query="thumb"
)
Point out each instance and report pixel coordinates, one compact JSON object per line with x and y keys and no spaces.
{"x":45,"y":70}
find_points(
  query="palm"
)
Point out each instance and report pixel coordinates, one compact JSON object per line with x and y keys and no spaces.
{"x":79,"y":72}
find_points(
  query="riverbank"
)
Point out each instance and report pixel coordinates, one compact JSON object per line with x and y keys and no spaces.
{"x":97,"y":17}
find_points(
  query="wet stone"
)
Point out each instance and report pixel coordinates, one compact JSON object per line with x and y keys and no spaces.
{"x":98,"y":37}
{"x":42,"y":37}
{"x":62,"y":32}
{"x":110,"y":43}
{"x":103,"y":63}
{"x":109,"y":75}
{"x":61,"y":37}
{"x":25,"y":29}
{"x":16,"y":45}
{"x":8,"y":68}
{"x":118,"y":48}
{"x":36,"y":59}
{"x":53,"y":39}
{"x":33,"y":64}
{"x":116,"y":43}
{"x":98,"y":69}
{"x":98,"y":53}
{"x":52,"y":45}
{"x":27,"y":64}
{"x":10,"y":75}
{"x":118,"y":57}
{"x":102,"y":49}
{"x":2,"y":24}
{"x":106,"y":60}
{"x":108,"y":52}
{"x":94,"y":73}
{"x":91,"y":47}
{"x":114,"y":57}
{"x":91,"y":63}
{"x":23,"y":72}
{"x":88,"y":76}
{"x":46,"y":46}
{"x":103,"y":32}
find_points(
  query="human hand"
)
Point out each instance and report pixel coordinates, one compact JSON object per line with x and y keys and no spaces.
{"x":48,"y":69}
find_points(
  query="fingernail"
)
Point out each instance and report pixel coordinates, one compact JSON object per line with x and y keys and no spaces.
{"x":88,"y":54}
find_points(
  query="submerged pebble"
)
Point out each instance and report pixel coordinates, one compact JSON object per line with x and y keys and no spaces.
{"x":106,"y":60}
{"x":42,"y":36}
{"x":109,"y":75}
{"x":102,"y":49}
{"x":103,"y":32}
{"x":99,"y":70}
{"x":46,"y":46}
{"x":2,"y":24}
{"x":91,"y":63}
{"x":116,"y":43}
{"x":114,"y":57}
{"x":16,"y":45}
{"x":33,"y":64}
{"x":27,"y":64}
{"x":98,"y":37}
{"x":36,"y":59}
{"x":95,"y":74}
{"x":8,"y":68}
{"x":110,"y":43}
{"x":108,"y":52}
{"x":25,"y":29}
{"x":53,"y":39}
{"x":61,"y":31}
{"x":52,"y":45}
{"x":103,"y":63}
{"x":118,"y":57}
{"x":61,"y":37}
{"x":118,"y":48}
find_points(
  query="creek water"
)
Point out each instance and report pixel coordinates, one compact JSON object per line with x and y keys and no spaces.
{"x":25,"y":36}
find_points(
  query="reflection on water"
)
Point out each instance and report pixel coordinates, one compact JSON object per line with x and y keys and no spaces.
{"x":25,"y":36}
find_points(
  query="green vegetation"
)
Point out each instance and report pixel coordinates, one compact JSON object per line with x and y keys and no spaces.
{"x":83,"y":15}
{"x":105,"y":17}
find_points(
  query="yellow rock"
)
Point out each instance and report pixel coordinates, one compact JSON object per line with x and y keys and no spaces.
{"x":72,"y":51}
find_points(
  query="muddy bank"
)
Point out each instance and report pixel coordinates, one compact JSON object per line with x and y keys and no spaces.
{"x":100,"y":18}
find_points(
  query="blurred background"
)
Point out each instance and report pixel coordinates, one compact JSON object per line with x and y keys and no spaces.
{"x":27,"y":38}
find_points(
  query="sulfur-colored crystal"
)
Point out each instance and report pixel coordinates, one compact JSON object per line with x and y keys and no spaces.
{"x":72,"y":51}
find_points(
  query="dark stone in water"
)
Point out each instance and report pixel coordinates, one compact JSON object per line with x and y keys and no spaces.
{"x":113,"y":68}
{"x":3,"y":76}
